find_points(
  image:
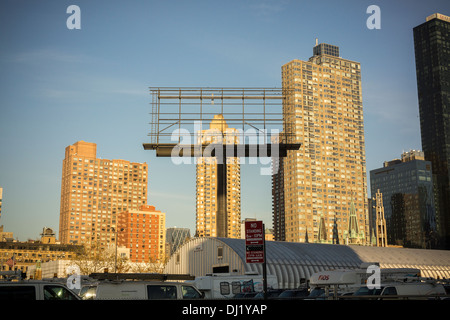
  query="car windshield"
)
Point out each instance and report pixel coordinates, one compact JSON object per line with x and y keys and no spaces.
{"x":316,"y":292}
{"x":190,"y":293}
{"x":88,"y":292}
{"x":287,"y":293}
{"x":57,"y":293}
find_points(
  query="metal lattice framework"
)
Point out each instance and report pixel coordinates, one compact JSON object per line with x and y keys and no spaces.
{"x":177,"y":112}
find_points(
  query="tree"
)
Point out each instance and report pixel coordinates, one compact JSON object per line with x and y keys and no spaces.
{"x":149,"y":267}
{"x":94,"y":259}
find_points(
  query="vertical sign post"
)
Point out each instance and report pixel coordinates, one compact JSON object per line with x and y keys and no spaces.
{"x":255,"y":247}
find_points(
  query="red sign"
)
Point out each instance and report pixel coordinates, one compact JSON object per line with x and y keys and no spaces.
{"x":254,"y":241}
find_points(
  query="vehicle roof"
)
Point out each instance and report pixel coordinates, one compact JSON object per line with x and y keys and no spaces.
{"x":414,"y":284}
{"x":29,"y":282}
{"x":120,"y":282}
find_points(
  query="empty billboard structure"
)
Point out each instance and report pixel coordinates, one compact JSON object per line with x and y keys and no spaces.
{"x":258,"y":115}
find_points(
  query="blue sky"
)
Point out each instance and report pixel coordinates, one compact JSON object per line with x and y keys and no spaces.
{"x":59,"y":86}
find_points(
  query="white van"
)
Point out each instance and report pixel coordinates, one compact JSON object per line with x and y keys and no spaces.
{"x":413,"y":290}
{"x":145,"y":290}
{"x":226,"y":285}
{"x":35,"y":290}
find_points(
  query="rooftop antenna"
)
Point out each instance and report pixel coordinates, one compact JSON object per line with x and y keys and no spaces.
{"x":317,"y":42}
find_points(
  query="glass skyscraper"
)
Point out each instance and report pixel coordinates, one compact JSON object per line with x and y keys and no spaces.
{"x":408,"y":200}
{"x":432,"y":52}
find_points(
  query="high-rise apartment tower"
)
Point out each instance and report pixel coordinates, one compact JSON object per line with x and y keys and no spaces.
{"x":94,"y":191}
{"x":1,"y":196}
{"x":210,"y":221}
{"x":325,"y":181}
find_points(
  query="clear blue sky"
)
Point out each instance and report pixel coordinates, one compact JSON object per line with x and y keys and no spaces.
{"x":58,"y":86}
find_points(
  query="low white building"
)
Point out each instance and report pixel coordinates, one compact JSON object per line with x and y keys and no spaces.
{"x":294,"y":263}
{"x":50,"y":269}
{"x":63,"y":268}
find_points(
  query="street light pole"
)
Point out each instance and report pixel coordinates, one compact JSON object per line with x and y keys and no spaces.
{"x":115,"y":257}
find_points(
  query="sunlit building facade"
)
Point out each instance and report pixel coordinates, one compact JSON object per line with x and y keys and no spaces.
{"x":1,"y":197}
{"x":208,"y":218}
{"x":325,"y":180}
{"x":143,"y":231}
{"x":94,"y":191}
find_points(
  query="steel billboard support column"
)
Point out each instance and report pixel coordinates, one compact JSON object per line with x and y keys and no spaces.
{"x":264,"y":264}
{"x":221,"y":219}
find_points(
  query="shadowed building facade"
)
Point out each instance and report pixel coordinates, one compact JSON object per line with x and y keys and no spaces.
{"x":408,"y":200}
{"x":432,"y":53}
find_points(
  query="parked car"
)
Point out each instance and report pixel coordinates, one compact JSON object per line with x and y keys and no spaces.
{"x":271,"y":294}
{"x":35,"y":290}
{"x":294,"y":294}
{"x":245,"y":295}
{"x":412,"y":290}
{"x":365,"y":291}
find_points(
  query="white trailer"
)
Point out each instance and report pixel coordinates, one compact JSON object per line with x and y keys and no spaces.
{"x":226,"y":285}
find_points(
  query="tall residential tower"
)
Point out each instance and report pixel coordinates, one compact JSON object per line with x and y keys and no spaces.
{"x":210,"y":221}
{"x":1,"y":196}
{"x":325,"y":181}
{"x":94,"y":191}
